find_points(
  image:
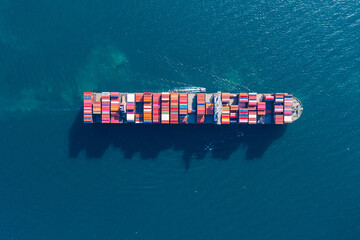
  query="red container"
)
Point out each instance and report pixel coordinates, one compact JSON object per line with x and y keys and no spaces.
{"x":139,"y":97}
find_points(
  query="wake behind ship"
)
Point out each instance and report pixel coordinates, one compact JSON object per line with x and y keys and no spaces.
{"x":191,"y":108}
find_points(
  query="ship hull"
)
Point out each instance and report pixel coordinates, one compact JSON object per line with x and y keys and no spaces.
{"x":191,"y":108}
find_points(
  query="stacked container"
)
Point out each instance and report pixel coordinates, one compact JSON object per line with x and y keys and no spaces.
{"x":243,"y":110}
{"x":139,"y":97}
{"x":156,"y":107}
{"x":139,"y":105}
{"x":130,"y":107}
{"x":279,"y":101}
{"x":225,"y":114}
{"x":97,"y":103}
{"x":252,"y":108}
{"x":183,"y":112}
{"x":252,"y":99}
{"x":261,"y":107}
{"x":105,"y":107}
{"x":288,"y":98}
{"x":209,"y":108}
{"x":279,"y":98}
{"x":147,"y":107}
{"x":269,"y":106}
{"x":243,"y":100}
{"x":88,"y":100}
{"x":139,"y":118}
{"x":279,"y":108}
{"x":225,"y":98}
{"x":200,"y":109}
{"x":234,"y":110}
{"x":243,"y":115}
{"x":115,"y":107}
{"x":174,"y":108}
{"x":269,"y":98}
{"x":279,"y":119}
{"x":165,"y":98}
{"x":252,"y":117}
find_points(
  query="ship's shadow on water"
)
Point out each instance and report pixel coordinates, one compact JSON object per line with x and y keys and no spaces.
{"x":195,"y":141}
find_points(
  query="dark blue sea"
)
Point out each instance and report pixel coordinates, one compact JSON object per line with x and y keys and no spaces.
{"x":61,"y":179}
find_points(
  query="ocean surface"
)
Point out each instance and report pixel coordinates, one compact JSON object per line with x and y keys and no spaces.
{"x":60,"y":179}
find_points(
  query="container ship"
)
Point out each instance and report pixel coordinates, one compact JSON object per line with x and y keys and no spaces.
{"x":190,"y":107}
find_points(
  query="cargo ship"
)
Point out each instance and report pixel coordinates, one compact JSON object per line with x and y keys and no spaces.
{"x":192,"y":107}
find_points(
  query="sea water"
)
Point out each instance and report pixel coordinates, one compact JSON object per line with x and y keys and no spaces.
{"x":61,"y":179}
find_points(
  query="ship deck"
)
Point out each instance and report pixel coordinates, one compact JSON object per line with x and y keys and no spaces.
{"x":221,"y":110}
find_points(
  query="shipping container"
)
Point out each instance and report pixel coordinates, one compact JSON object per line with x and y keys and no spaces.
{"x":174,"y":108}
{"x":200,"y":109}
{"x":139,"y":97}
{"x":130,"y":107}
{"x":252,"y":117}
{"x":165,"y":108}
{"x":252,"y":99}
{"x":243,"y":97}
{"x":105,"y":107}
{"x":115,"y":107}
{"x":156,"y":107}
{"x":147,"y":107}
{"x":88,"y":107}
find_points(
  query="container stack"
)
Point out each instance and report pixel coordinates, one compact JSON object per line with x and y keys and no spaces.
{"x":288,"y":98}
{"x":200,"y":109}
{"x":225,"y":114}
{"x":105,"y":107}
{"x":165,"y":98}
{"x":139,"y":105}
{"x":147,"y":107}
{"x":243,"y":100}
{"x":139,"y":97}
{"x":243,"y":115}
{"x":88,"y":102}
{"x":209,"y":108}
{"x":225,"y":98}
{"x":252,"y":107}
{"x":279,"y":98}
{"x":252,"y":117}
{"x":174,"y":108}
{"x":269,"y":98}
{"x":130,"y":107}
{"x":139,"y":118}
{"x":97,"y":103}
{"x":183,"y":112}
{"x":279,"y":108}
{"x":115,"y":107}
{"x":243,"y":110}
{"x":234,"y":116}
{"x":269,"y":103}
{"x":252,"y":99}
{"x":279,"y":101}
{"x":156,"y":107}
{"x":261,"y":108}
{"x":279,"y":118}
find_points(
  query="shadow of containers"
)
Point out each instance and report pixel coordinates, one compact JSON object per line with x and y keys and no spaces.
{"x":149,"y":140}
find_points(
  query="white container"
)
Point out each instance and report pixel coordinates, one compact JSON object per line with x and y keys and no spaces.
{"x":130,"y":117}
{"x":131,"y":97}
